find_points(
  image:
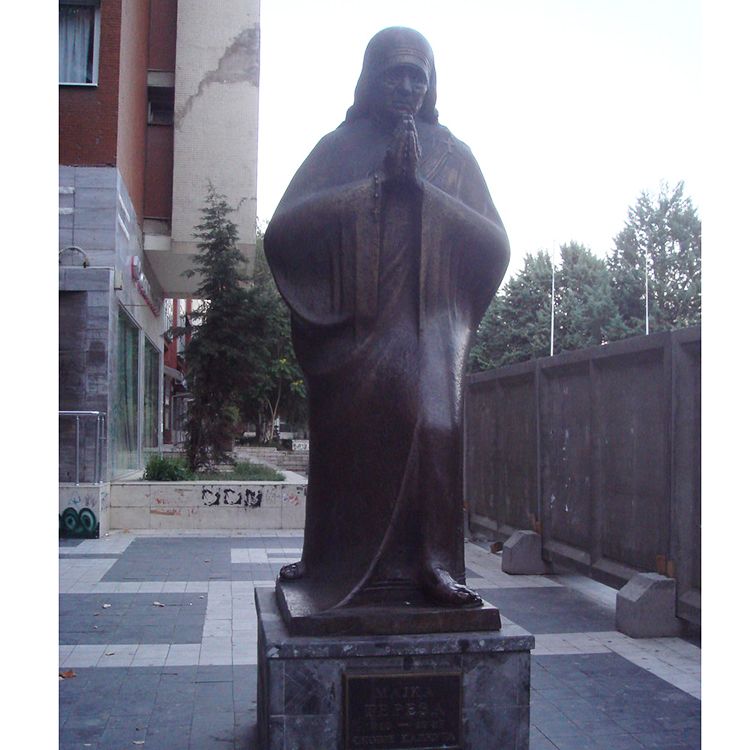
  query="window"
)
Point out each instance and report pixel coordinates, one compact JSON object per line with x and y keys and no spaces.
{"x":151,"y":397}
{"x":160,"y":105}
{"x":125,"y":417}
{"x":79,"y":41}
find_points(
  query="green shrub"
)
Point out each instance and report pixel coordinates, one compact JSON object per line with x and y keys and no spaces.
{"x":243,"y":471}
{"x":256,"y":472}
{"x":167,"y":469}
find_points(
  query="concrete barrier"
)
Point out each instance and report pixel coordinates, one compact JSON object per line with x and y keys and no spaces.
{"x":202,"y":505}
{"x":83,"y":510}
{"x":646,"y":607}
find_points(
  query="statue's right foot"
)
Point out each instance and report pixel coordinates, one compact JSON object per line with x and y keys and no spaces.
{"x":293,"y":571}
{"x":443,"y":589}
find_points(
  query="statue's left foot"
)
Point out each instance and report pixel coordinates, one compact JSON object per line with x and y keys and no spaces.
{"x":293,"y":571}
{"x":442,"y":588}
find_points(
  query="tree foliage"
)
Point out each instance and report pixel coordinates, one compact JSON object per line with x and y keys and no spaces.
{"x":517,"y":324}
{"x":598,"y":300}
{"x":277,"y":386}
{"x":225,"y":331}
{"x":661,"y":238}
{"x":240,"y":360}
{"x":585,"y":310}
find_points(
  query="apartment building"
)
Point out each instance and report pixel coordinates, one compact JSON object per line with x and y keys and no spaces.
{"x":156,"y":99}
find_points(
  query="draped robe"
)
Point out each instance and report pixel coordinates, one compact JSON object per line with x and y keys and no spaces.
{"x":387,"y":281}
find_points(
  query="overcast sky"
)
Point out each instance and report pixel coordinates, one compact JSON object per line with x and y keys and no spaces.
{"x":571,"y":107}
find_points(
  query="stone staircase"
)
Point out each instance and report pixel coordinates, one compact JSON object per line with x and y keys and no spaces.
{"x":296,"y":461}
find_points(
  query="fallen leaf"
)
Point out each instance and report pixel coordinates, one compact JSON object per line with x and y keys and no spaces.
{"x":67,"y":674}
{"x":159,"y":604}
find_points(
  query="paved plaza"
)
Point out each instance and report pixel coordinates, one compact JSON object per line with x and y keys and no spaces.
{"x":158,"y":648}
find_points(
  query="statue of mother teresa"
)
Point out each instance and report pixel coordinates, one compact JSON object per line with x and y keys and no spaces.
{"x":388,"y":249}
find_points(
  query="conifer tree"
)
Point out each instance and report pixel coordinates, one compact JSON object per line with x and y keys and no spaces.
{"x":227,"y":337}
{"x":661,"y":238}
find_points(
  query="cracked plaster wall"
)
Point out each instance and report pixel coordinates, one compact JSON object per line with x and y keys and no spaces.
{"x":216,"y":113}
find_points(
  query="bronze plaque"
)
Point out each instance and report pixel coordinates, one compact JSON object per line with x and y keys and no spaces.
{"x":402,"y":711}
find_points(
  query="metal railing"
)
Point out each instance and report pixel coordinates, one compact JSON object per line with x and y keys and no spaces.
{"x":101,"y":437}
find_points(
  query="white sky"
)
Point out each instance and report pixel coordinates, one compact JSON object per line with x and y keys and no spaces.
{"x":571,"y":107}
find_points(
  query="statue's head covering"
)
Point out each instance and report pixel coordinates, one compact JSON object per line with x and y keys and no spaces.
{"x":395,"y":46}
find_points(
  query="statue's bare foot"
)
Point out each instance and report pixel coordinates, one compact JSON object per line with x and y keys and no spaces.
{"x":444,"y":589}
{"x":293,"y":571}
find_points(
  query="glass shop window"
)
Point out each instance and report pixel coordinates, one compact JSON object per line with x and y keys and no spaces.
{"x":151,"y":397}
{"x":79,"y":41}
{"x":126,"y":413}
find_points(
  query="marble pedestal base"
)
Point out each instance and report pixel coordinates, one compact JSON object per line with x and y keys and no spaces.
{"x":467,"y":690}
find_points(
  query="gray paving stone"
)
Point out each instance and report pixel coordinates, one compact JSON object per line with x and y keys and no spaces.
{"x":584,"y":701}
{"x":550,"y":609}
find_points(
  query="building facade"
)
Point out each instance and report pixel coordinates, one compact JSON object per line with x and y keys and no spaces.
{"x":157,"y":98}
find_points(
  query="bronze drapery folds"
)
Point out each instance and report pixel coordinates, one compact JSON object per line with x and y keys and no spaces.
{"x":388,"y":249}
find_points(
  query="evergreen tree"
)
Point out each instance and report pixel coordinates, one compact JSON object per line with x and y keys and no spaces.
{"x":585,"y":310}
{"x":661,"y":238}
{"x":517,"y":323}
{"x":227,"y":337}
{"x":277,"y":385}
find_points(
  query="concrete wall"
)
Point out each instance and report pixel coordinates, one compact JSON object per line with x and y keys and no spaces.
{"x":195,"y":505}
{"x":216,"y":114}
{"x":599,"y":451}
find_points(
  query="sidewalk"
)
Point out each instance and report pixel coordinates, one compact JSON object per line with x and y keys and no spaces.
{"x":158,"y":648}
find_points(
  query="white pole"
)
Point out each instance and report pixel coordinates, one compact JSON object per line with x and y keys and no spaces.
{"x":552,"y":305}
{"x":645,"y":253}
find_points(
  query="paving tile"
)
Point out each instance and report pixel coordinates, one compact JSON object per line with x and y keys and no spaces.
{"x":550,"y":609}
{"x":184,"y":675}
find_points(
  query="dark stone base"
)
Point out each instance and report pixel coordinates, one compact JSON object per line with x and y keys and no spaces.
{"x":411,"y":614}
{"x":424,"y":688}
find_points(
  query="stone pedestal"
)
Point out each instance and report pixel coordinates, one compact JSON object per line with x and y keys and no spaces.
{"x":467,"y":690}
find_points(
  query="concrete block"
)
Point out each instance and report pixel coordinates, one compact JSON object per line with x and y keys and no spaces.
{"x":522,"y":554}
{"x":65,"y":220}
{"x":645,"y":607}
{"x":95,"y":218}
{"x":66,"y":237}
{"x":95,"y":198}
{"x":91,"y":240}
{"x":96,"y":177}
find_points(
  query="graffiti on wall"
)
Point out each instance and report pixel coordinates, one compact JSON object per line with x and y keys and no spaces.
{"x":81,"y":511}
{"x":79,"y":524}
{"x":229,"y":496}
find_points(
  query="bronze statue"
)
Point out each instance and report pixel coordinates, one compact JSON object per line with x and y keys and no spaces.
{"x":387,"y":248}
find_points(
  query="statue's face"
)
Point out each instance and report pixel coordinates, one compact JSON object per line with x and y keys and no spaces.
{"x":401,"y":90}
